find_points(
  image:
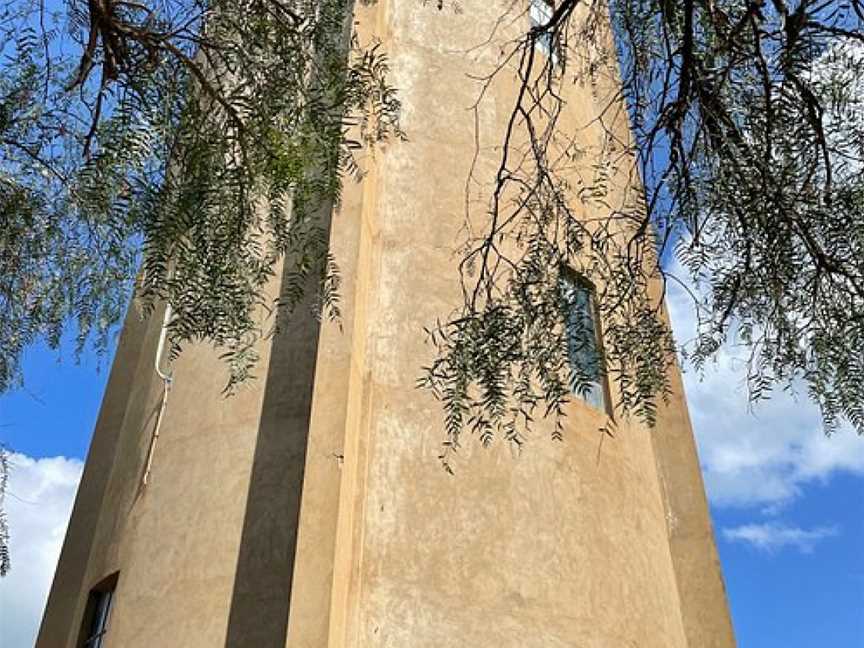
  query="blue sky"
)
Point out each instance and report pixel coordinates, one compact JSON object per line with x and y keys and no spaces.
{"x":789,"y":597}
{"x":787,"y":503}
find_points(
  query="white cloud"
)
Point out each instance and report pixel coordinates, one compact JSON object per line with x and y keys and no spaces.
{"x":760,"y":456}
{"x":38,"y":503}
{"x":771,"y":536}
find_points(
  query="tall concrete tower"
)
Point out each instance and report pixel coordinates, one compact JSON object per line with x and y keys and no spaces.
{"x":309,"y":510}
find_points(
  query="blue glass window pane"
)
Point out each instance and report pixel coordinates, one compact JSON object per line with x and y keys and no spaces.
{"x":583,"y":353}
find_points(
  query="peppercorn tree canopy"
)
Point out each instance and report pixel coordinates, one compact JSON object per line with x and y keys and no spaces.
{"x":188,"y":147}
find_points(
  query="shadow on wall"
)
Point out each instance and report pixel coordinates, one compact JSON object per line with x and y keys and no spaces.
{"x":265,"y":565}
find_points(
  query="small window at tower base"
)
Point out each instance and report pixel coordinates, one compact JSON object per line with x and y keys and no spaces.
{"x":97,"y":614}
{"x":584,"y":350}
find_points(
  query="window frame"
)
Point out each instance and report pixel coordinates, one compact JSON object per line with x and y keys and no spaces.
{"x":97,"y":613}
{"x":570,"y":279}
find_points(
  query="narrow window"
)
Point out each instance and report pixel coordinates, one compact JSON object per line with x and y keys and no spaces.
{"x":587,"y":378}
{"x":541,"y":13}
{"x":98,"y":613}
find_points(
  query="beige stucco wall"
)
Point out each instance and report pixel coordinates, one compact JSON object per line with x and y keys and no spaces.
{"x":205,"y":551}
{"x":588,"y":542}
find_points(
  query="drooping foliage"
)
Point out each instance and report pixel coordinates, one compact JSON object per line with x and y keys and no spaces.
{"x":5,"y":560}
{"x":201,"y":141}
{"x":746,"y":125}
{"x":763,"y":126}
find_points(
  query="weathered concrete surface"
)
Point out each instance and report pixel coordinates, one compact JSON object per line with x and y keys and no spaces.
{"x":590,"y":542}
{"x":551,"y":548}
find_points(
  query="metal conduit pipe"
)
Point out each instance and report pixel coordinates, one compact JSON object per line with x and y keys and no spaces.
{"x":166,"y":377}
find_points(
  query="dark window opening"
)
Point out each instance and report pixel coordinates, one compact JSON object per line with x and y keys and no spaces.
{"x":97,"y":614}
